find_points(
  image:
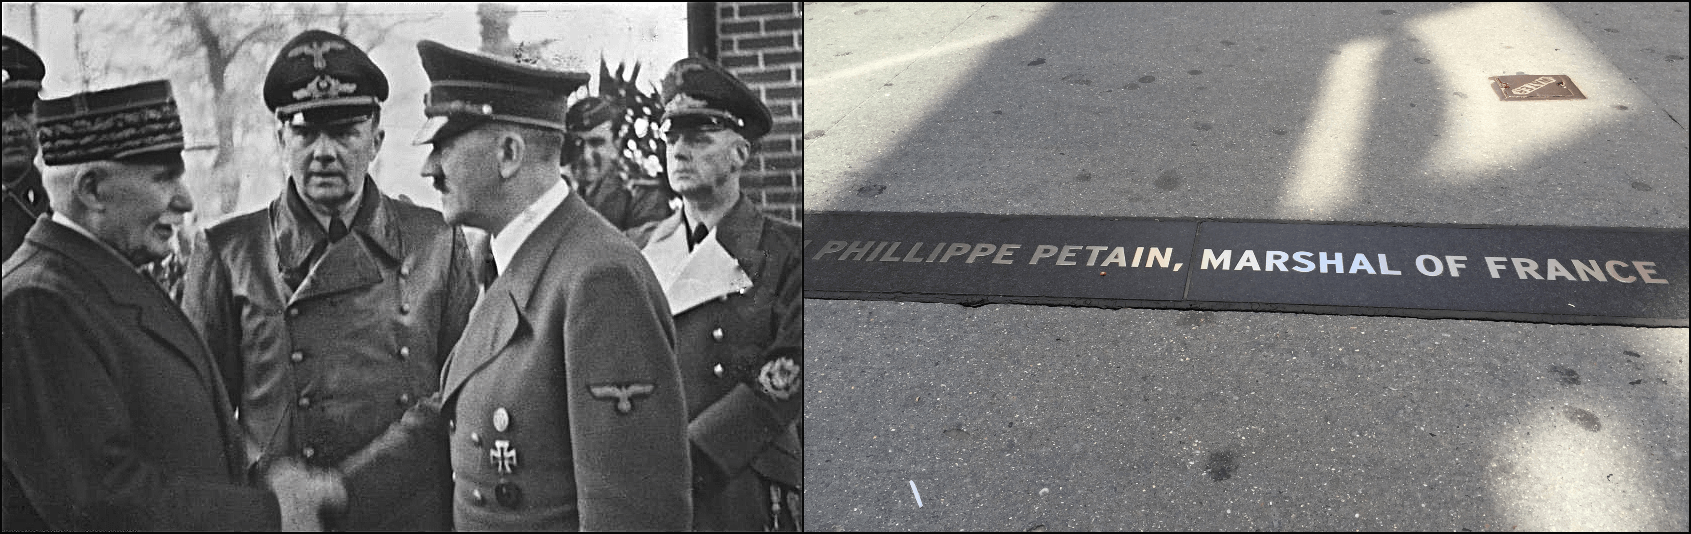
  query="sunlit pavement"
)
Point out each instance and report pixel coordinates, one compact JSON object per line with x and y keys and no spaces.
{"x":1027,"y":417}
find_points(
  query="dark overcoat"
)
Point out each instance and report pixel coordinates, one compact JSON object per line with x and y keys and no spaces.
{"x":20,"y":204}
{"x":563,"y":401}
{"x":115,"y":417}
{"x":319,"y":371}
{"x":739,"y":340}
{"x":623,"y":205}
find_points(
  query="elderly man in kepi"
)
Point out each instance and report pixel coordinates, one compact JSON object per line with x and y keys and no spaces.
{"x":333,"y":308}
{"x":115,"y":415}
{"x":732,"y":276}
{"x":25,"y":195}
{"x":600,"y":172}
{"x":562,"y":402}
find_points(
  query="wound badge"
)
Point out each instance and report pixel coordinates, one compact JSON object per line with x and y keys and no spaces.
{"x":780,"y":378}
{"x":624,"y":395}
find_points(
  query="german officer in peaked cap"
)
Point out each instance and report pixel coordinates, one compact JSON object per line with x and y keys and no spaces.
{"x":732,"y":276}
{"x":21,"y":72}
{"x":562,"y":400}
{"x":333,"y":308}
{"x":115,"y":415}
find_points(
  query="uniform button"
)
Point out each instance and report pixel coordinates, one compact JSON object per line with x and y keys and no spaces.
{"x":404,"y":352}
{"x":404,"y":399}
{"x":454,"y":476}
{"x":304,"y":401}
{"x":475,"y":497}
{"x":508,"y":494}
{"x":475,"y":438}
{"x":718,"y":370}
{"x":297,"y":356}
{"x":404,"y":308}
{"x":308,"y":452}
{"x":452,"y":424}
{"x":293,"y":312}
{"x":716,"y":334}
{"x":404,"y":271}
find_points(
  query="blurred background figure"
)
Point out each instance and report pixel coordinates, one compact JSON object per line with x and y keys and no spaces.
{"x":25,"y":196}
{"x":603,"y":175}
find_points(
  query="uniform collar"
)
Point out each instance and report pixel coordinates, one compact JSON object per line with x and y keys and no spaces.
{"x":78,"y":228}
{"x":511,"y":237}
{"x":298,"y":229}
{"x":741,"y":233}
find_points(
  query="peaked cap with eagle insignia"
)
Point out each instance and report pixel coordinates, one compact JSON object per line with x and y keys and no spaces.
{"x":320,"y":77}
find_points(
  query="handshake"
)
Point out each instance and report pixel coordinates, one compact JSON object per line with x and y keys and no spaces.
{"x":304,"y":493}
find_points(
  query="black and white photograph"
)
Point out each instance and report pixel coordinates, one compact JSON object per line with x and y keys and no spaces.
{"x":403,"y":267}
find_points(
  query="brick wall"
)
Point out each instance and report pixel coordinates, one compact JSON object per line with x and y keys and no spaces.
{"x":763,"y":43}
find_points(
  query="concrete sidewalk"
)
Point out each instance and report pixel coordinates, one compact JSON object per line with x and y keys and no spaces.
{"x":1017,"y":417}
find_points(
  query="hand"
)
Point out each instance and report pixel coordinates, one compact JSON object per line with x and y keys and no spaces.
{"x":304,"y":493}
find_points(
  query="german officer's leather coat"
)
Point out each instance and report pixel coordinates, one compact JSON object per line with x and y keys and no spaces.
{"x":319,"y":371}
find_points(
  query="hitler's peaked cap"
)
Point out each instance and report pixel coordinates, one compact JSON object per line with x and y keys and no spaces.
{"x":136,"y":122}
{"x":320,"y":77}
{"x":21,"y":67}
{"x":699,"y":91}
{"x":467,"y":89}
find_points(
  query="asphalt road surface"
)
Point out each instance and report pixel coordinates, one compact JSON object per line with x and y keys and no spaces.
{"x":1020,"y":417}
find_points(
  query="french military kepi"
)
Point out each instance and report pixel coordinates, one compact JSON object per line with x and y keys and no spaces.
{"x":21,"y":71}
{"x":699,"y":92}
{"x":135,"y":123}
{"x":322,"y":78}
{"x":467,"y":89}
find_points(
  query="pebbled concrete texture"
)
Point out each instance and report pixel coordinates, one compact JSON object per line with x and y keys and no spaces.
{"x":1048,"y":418}
{"x":1011,"y":417}
{"x":1309,"y":112}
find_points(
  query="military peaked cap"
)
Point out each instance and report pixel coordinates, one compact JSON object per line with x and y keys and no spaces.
{"x":21,"y":72}
{"x":467,"y":89}
{"x":588,"y":113}
{"x":698,"y":91}
{"x":132,"y":122}
{"x":320,"y":77}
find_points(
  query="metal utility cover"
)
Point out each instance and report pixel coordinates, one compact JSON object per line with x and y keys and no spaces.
{"x":1535,"y":87}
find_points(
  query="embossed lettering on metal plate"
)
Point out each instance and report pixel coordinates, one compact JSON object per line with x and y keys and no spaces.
{"x":1536,"y":87}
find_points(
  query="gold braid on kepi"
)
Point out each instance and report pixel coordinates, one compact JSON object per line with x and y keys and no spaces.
{"x":131,"y":122}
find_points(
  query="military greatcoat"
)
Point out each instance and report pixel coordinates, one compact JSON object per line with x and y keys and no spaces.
{"x":563,"y":401}
{"x":22,"y":203}
{"x":115,"y":417}
{"x":623,"y":204}
{"x":319,"y":371}
{"x":739,"y":339}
